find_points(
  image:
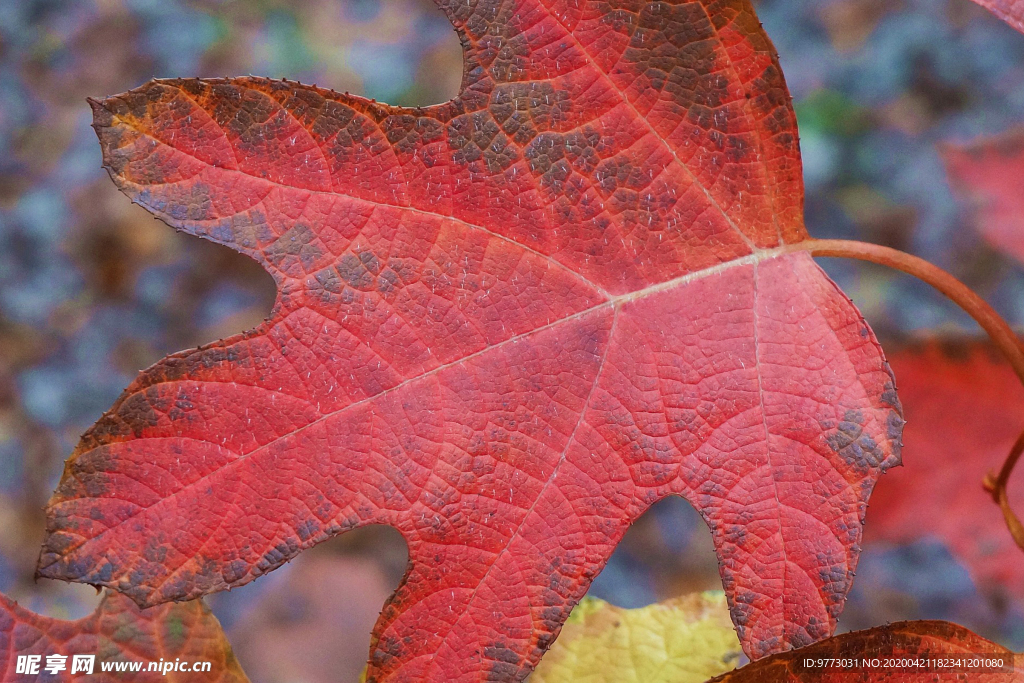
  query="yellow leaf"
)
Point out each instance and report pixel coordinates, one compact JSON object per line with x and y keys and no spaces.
{"x":684,"y":640}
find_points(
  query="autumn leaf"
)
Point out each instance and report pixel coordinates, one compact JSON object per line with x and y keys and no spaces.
{"x":1010,"y":11}
{"x":506,"y":325}
{"x":989,"y":173}
{"x":963,"y":415}
{"x":118,"y":631}
{"x":921,"y":642}
{"x":683,"y":640}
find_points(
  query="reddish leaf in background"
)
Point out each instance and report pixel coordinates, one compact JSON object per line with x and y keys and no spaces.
{"x":1010,"y":11}
{"x":990,"y":174}
{"x":118,"y":631}
{"x":506,"y":325}
{"x":962,"y":405}
{"x":917,"y":640}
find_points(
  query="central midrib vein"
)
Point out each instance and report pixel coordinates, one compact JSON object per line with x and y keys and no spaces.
{"x":615,"y":302}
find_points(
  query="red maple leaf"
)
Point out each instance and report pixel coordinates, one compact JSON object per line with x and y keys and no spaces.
{"x":117,"y":633}
{"x":506,"y":325}
{"x":1010,"y":11}
{"x":963,"y":416}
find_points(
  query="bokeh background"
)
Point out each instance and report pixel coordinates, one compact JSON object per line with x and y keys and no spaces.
{"x":92,"y":289}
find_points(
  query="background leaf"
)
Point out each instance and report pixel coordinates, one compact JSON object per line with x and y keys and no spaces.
{"x":685,"y":640}
{"x":119,"y":632}
{"x":902,"y":639}
{"x":989,"y":173}
{"x":963,"y":406}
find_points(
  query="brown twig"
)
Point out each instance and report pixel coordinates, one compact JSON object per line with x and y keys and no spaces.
{"x":996,"y":485}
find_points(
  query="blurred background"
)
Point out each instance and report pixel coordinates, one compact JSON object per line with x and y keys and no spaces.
{"x":92,"y":289}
